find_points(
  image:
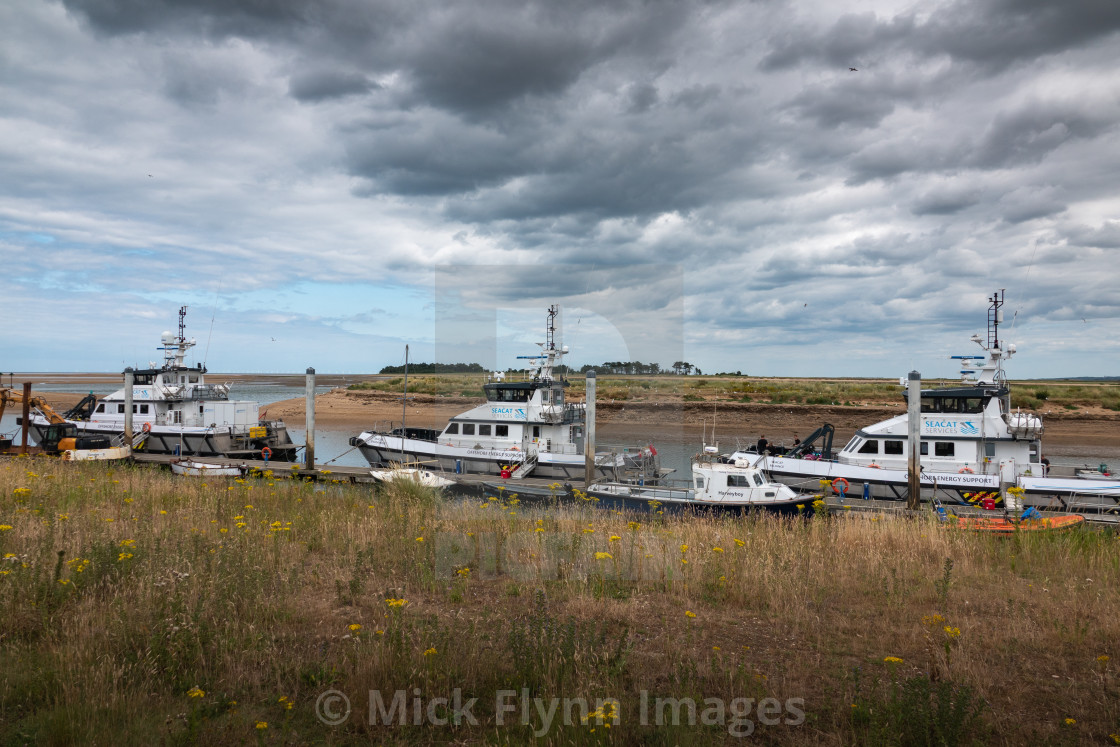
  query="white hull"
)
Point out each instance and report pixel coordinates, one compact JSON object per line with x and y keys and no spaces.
{"x":381,"y":449}
{"x":92,"y":455}
{"x":408,"y":474}
{"x":189,"y":441}
{"x":203,"y":469}
{"x":1070,"y":493}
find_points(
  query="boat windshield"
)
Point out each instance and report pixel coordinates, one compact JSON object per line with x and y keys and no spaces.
{"x":508,"y":392}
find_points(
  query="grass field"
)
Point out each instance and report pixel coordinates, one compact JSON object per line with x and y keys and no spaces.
{"x":1031,"y":395}
{"x":140,"y":608}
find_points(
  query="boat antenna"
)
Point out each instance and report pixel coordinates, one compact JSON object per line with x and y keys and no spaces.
{"x":1026,"y":279}
{"x":213,"y":314}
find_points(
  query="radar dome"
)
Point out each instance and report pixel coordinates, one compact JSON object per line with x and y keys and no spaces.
{"x":168,"y":337}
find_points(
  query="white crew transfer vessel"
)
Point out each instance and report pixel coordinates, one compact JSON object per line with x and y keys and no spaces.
{"x":972,"y":443}
{"x":179,"y":412}
{"x":525,"y":427}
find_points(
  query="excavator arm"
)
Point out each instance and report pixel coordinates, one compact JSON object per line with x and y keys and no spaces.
{"x":10,"y":395}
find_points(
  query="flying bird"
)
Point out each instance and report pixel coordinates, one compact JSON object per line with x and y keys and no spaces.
{"x":852,"y":69}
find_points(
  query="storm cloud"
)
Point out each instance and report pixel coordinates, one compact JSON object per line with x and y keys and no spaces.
{"x":817,"y":175}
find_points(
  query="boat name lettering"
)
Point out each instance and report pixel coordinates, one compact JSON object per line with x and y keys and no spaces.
{"x":514,"y":411}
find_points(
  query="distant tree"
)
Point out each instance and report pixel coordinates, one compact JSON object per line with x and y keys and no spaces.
{"x":435,"y":368}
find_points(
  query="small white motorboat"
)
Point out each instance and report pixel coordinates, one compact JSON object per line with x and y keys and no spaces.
{"x":414,"y":474}
{"x":208,"y":469}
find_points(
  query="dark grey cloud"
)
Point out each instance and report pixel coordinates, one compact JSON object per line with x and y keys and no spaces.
{"x":369,"y":139}
{"x":320,"y":85}
{"x":991,"y":35}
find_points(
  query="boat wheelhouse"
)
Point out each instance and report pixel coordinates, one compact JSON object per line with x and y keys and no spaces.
{"x":176,"y":411}
{"x":524,"y":427}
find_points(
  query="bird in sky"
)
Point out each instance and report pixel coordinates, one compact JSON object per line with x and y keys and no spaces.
{"x":852,"y":69}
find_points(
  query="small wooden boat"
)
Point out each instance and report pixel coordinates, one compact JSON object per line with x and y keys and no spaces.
{"x":1007,"y":525}
{"x":207,"y":469}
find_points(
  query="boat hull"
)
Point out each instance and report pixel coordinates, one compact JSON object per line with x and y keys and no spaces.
{"x":1000,"y":526}
{"x":1063,"y":493}
{"x":383,"y":451}
{"x":187,"y":441}
{"x":96,"y":455}
{"x":640,"y":499}
{"x":190,"y":468}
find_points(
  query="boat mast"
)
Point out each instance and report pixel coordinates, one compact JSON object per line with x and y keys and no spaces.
{"x":404,"y":399}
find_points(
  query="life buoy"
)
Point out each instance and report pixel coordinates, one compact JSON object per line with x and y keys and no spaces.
{"x":266,"y":453}
{"x":874,"y":466}
{"x":965,"y":471}
{"x":843,"y":486}
{"x":514,"y":448}
{"x":147,"y":427}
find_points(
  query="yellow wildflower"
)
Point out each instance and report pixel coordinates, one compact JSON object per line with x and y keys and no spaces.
{"x":603,"y":556}
{"x":689,"y":613}
{"x":195,"y":692}
{"x":430,"y":651}
{"x":355,"y":627}
{"x":892,"y":660}
{"x":262,"y":725}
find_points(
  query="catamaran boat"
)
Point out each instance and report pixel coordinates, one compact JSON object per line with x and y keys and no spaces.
{"x":175,"y":411}
{"x":525,"y":427}
{"x":972,"y":444}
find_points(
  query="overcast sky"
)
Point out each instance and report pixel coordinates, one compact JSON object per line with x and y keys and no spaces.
{"x":324,"y":182}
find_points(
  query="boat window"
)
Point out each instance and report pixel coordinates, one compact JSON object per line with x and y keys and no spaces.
{"x":468,"y":429}
{"x":143,"y":409}
{"x":194,"y":378}
{"x":504,"y":394}
{"x":699,"y":483}
{"x":974,"y":404}
{"x":545,"y":396}
{"x":452,"y":428}
{"x":536,"y":431}
{"x":101,"y":407}
{"x":120,"y":408}
{"x":758,"y":479}
{"x":924,"y":451}
{"x":944,"y":448}
{"x":990,"y":449}
{"x":871,"y":447}
{"x":484,"y":430}
{"x":892,"y":447}
{"x":501,"y":431}
{"x":738,"y":481}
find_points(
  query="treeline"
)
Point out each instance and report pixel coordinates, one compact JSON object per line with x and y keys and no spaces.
{"x":637,"y":368}
{"x":435,"y":368}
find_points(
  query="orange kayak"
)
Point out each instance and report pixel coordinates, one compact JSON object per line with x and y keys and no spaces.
{"x":1002,"y":525}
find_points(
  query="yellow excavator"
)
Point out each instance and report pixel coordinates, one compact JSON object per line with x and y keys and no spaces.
{"x":60,"y":435}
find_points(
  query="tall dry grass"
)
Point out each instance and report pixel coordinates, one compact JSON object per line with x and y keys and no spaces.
{"x":138,"y":607}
